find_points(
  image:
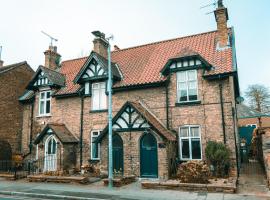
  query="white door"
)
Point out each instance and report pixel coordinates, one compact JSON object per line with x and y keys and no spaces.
{"x":50,"y":161}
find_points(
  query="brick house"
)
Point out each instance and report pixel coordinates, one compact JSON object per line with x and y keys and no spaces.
{"x":13,"y":79}
{"x":250,"y":117}
{"x":169,"y":99}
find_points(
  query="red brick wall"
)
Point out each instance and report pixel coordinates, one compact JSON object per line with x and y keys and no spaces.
{"x":12,"y":85}
{"x":207,"y":114}
{"x":246,"y":121}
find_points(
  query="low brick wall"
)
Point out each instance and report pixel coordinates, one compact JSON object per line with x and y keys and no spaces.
{"x":118,"y":182}
{"x":57,"y":179}
{"x":176,"y":185}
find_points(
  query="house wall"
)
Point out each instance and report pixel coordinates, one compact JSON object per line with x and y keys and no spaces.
{"x":131,"y":154}
{"x":13,"y":83}
{"x":207,"y":114}
{"x":246,"y":121}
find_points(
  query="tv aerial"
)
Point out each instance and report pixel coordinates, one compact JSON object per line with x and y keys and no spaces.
{"x":51,"y":38}
{"x":217,"y":3}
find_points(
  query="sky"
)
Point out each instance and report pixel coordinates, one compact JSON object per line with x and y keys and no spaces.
{"x":132,"y":23}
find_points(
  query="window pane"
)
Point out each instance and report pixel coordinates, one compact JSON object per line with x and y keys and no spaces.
{"x":185,"y":63}
{"x":102,"y":85}
{"x":41,"y":109}
{"x":48,"y":95}
{"x":53,"y":146}
{"x":192,"y":75}
{"x":49,"y":148}
{"x":48,"y":106}
{"x":192,"y":91}
{"x":181,"y":76}
{"x":196,"y":148}
{"x":103,"y":98}
{"x":183,"y":95}
{"x":42,"y":95}
{"x":184,"y":132}
{"x":194,"y":132}
{"x":185,"y":148}
{"x":94,"y":149}
{"x":95,"y":100}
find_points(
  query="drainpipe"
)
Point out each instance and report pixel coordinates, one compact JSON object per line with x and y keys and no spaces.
{"x":81,"y":129}
{"x":167,"y":103}
{"x":222,"y":112}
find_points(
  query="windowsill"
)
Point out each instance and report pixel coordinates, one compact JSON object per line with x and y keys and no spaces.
{"x":40,"y":116}
{"x":188,"y":103}
{"x":98,"y":111}
{"x":94,"y":160}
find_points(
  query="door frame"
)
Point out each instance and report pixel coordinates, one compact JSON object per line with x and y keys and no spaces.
{"x":45,"y":152}
{"x":140,"y":147}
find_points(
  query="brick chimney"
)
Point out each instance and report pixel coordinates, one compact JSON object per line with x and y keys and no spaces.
{"x":1,"y":63}
{"x":221,"y":15}
{"x":101,"y":45}
{"x":52,"y":58}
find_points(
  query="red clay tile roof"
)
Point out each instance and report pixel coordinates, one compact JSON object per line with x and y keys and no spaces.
{"x":152,"y":119}
{"x":142,"y":64}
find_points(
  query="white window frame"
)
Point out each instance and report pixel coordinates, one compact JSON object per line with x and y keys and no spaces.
{"x":99,"y":98}
{"x":189,"y":140}
{"x":186,"y":82}
{"x":45,"y":104}
{"x":91,"y":147}
{"x":37,"y":152}
{"x":251,"y":125}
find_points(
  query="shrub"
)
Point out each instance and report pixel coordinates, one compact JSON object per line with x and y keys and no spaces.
{"x":193,"y":172}
{"x":219,"y":157}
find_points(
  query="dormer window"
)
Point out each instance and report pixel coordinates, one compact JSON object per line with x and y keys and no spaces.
{"x":44,"y":103}
{"x":187,"y":86}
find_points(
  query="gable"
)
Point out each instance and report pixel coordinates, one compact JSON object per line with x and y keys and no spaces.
{"x":46,"y":77}
{"x":129,"y":119}
{"x":95,"y":68}
{"x":186,"y":59}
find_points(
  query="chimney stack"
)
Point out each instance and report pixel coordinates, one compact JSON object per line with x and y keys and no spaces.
{"x":101,"y":45}
{"x":52,"y":58}
{"x":1,"y":63}
{"x":221,"y":15}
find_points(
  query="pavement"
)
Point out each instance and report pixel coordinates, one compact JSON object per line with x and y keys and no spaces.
{"x":22,"y":189}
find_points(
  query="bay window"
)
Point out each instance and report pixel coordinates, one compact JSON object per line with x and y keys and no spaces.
{"x":190,"y":143}
{"x":44,"y":103}
{"x":187,"y":86}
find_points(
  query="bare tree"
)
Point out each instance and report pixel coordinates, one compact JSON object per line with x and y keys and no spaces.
{"x":258,"y":97}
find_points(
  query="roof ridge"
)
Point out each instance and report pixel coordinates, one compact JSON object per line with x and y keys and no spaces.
{"x":167,"y":40}
{"x":11,"y":66}
{"x":52,"y":70}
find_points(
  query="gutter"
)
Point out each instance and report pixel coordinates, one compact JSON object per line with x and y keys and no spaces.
{"x":81,"y":128}
{"x":167,"y":103}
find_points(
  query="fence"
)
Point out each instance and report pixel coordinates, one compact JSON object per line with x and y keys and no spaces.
{"x":21,"y":169}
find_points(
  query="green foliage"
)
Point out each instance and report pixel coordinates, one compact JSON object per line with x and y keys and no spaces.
{"x":193,"y":172}
{"x":219,"y":156}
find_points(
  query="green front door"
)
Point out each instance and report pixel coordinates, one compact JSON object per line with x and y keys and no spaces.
{"x":148,"y":156}
{"x":118,"y":154}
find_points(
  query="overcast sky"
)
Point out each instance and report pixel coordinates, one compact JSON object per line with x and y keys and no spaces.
{"x":132,"y":22}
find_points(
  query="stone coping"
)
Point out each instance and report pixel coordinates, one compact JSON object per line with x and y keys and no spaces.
{"x":213,"y":186}
{"x":58,"y":179}
{"x":120,"y":181}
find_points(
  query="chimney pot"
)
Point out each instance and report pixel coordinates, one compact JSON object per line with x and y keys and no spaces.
{"x":116,"y":48}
